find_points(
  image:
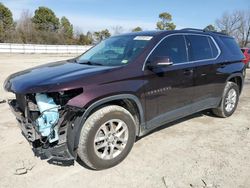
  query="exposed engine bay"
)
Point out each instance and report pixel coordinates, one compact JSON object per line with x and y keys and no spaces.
{"x":44,"y":119}
{"x":48,"y":118}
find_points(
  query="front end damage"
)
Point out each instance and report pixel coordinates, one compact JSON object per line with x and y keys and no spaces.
{"x":46,"y":120}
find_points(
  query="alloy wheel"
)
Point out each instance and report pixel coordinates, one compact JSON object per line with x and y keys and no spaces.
{"x":111,"y":139}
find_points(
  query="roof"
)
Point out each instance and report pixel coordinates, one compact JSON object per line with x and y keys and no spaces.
{"x":158,"y":32}
{"x":144,"y":33}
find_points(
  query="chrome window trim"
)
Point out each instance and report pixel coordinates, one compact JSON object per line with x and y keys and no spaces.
{"x":184,"y":34}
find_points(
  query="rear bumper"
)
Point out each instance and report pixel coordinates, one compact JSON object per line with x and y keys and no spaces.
{"x":56,"y":153}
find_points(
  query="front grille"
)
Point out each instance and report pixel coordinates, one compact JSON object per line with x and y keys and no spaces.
{"x":21,"y":101}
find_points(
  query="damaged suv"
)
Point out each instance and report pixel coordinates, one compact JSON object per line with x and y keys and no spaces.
{"x":94,"y":106}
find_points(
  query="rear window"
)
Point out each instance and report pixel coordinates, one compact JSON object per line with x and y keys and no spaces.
{"x":231,"y":46}
{"x":201,"y":47}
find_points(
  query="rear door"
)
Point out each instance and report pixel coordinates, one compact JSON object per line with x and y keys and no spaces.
{"x":203,"y":53}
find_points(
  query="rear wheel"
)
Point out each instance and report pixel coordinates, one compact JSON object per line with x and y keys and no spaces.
{"x":229,"y":101}
{"x":106,"y":137}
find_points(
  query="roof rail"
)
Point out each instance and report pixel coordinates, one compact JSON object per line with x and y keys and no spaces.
{"x":193,"y":29}
{"x":203,"y":30}
{"x":217,"y":32}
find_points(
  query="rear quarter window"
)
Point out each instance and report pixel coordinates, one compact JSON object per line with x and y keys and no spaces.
{"x":232,"y":47}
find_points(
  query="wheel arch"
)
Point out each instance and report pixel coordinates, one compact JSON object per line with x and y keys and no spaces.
{"x":124,"y":100}
{"x":238,"y":79}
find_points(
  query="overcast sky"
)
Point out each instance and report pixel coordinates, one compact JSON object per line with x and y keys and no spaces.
{"x":91,"y":15}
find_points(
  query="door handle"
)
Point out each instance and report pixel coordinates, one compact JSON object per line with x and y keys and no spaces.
{"x":188,"y":71}
{"x":222,"y":65}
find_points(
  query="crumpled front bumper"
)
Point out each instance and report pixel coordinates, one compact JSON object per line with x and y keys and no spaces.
{"x":56,"y":153}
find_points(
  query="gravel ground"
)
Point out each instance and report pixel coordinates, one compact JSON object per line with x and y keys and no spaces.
{"x":197,"y":151}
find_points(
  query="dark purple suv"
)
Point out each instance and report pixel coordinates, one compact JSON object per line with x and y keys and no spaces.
{"x":94,"y":106}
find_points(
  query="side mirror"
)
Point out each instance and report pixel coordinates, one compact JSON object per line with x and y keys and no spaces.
{"x":159,"y":62}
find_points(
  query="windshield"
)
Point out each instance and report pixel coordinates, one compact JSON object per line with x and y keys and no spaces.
{"x":115,"y":51}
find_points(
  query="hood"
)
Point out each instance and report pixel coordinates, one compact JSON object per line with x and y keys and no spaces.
{"x":45,"y":77}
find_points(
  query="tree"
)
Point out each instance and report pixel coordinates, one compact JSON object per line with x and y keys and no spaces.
{"x":137,"y":29}
{"x":210,"y":28}
{"x":85,"y":39}
{"x":165,"y":22}
{"x":236,"y":24}
{"x":229,"y":23}
{"x":101,"y":35}
{"x":66,"y":28}
{"x":6,"y":22}
{"x":45,"y":20}
{"x":244,"y":29}
{"x":26,"y":29}
{"x":105,"y":34}
{"x":117,"y":30}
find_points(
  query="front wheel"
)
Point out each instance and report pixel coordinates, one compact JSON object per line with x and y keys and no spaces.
{"x":106,"y":137}
{"x":229,"y":101}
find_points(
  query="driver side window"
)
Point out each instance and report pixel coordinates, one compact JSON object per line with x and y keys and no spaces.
{"x":173,"y":47}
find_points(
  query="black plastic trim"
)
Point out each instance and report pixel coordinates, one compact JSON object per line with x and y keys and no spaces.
{"x":76,"y":128}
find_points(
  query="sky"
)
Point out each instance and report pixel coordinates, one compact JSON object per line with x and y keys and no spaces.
{"x":94,"y":15}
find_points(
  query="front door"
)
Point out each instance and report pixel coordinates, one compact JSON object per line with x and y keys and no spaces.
{"x":168,"y":89}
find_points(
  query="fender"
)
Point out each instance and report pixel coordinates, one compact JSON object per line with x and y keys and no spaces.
{"x":236,"y":75}
{"x":75,"y":130}
{"x":230,"y":77}
{"x":113,"y":98}
{"x":241,"y":75}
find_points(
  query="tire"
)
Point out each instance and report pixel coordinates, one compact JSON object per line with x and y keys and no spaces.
{"x":223,"y":110}
{"x":98,"y":126}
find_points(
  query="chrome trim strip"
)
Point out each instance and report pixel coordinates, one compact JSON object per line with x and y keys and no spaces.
{"x":184,"y":34}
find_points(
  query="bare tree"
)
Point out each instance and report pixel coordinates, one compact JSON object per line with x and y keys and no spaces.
{"x":229,"y":23}
{"x":26,"y":28}
{"x":117,"y":30}
{"x":244,"y":30}
{"x":236,"y":24}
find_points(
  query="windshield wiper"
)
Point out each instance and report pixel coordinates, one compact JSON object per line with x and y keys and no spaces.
{"x":72,"y":60}
{"x":89,"y":63}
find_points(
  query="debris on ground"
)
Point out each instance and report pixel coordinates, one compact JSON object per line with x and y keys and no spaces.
{"x":167,"y":183}
{"x":23,"y":167}
{"x":206,"y":185}
{"x":2,"y":101}
{"x":164,"y":181}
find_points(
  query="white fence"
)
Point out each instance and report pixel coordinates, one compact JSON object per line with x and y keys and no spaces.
{"x":42,"y":49}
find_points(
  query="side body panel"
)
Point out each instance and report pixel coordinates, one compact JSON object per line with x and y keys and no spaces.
{"x":167,"y":89}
